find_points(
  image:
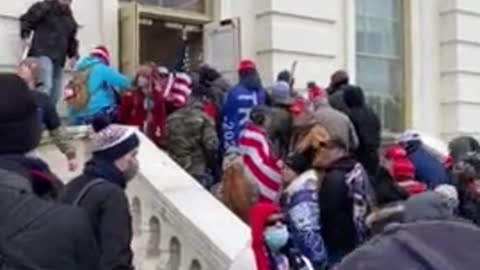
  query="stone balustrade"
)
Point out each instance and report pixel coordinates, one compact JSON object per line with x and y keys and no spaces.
{"x":178,"y":225}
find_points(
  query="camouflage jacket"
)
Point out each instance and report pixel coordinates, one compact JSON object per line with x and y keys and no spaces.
{"x":191,"y":139}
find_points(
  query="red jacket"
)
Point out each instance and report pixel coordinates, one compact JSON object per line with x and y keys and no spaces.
{"x":150,"y":117}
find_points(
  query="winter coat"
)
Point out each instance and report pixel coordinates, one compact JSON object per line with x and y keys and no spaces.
{"x":300,"y":203}
{"x":338,"y":125}
{"x":434,"y":245}
{"x":102,"y":83}
{"x":52,"y":236}
{"x":53,"y":30}
{"x":148,"y":114}
{"x":341,"y":230}
{"x":239,"y":102}
{"x":428,"y":169}
{"x":367,"y":126}
{"x":280,"y":129}
{"x":107,"y":206}
{"x":191,"y":139}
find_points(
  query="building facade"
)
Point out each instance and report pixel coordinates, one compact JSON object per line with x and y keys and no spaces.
{"x":418,"y":61}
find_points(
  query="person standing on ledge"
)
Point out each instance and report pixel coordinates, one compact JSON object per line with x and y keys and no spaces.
{"x":49,"y":31}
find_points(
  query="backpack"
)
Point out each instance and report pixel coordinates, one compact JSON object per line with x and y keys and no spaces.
{"x":362,"y":195}
{"x":77,"y":95}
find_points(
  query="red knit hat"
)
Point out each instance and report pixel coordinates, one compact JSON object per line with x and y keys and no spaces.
{"x":102,"y":53}
{"x":246,"y":64}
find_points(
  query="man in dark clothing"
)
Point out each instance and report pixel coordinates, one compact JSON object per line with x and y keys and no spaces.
{"x":54,"y":39}
{"x":368,"y":128}
{"x":345,"y":199}
{"x":29,"y":221}
{"x":338,"y":81}
{"x":433,"y":245}
{"x":100,"y":190}
{"x":280,"y":128}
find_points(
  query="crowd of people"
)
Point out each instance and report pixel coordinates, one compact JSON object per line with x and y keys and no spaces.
{"x":309,"y":174}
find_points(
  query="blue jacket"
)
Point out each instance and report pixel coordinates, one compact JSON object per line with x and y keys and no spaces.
{"x":300,"y":203}
{"x":101,"y":81}
{"x":239,"y":102}
{"x":428,"y":169}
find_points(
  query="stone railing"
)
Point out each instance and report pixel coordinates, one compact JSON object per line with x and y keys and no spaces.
{"x":177,"y":224}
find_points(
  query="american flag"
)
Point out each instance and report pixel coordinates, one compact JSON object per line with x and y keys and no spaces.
{"x":261,"y":165}
{"x":178,"y":89}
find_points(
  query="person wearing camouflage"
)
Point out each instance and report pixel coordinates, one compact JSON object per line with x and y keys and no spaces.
{"x":192,"y":141}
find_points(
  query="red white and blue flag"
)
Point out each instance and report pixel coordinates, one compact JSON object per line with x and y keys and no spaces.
{"x":261,"y":164}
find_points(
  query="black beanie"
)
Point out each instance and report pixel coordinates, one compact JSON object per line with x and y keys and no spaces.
{"x":20,"y":125}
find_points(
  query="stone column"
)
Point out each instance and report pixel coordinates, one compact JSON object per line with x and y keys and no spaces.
{"x":460,"y":67}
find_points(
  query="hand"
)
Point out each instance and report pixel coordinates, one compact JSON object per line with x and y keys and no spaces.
{"x":72,"y":62}
{"x":72,"y":165}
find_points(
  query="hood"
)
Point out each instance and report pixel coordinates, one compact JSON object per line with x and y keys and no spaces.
{"x":354,"y":97}
{"x":462,"y":145}
{"x":258,"y":217}
{"x":87,"y":62}
{"x":426,"y":206}
{"x":221,"y":83}
{"x":250,"y":80}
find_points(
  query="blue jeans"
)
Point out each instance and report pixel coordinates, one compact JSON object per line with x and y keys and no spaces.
{"x":51,"y":78}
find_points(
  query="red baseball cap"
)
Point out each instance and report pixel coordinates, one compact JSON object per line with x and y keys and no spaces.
{"x":246,"y":64}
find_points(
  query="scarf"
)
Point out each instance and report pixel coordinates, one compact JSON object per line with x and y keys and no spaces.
{"x":98,"y":168}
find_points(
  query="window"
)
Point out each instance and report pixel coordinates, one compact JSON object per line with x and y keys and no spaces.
{"x":153,"y":246}
{"x":379,"y":54}
{"x":175,"y":254}
{"x":189,"y":5}
{"x":137,"y":215}
{"x":195,"y":265}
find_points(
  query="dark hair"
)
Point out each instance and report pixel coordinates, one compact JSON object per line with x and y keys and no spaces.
{"x":258,"y":115}
{"x":284,"y":76}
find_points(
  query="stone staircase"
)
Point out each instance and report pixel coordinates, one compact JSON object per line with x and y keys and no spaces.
{"x":178,"y":225}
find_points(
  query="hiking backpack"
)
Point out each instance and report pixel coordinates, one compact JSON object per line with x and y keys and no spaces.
{"x":77,"y":95}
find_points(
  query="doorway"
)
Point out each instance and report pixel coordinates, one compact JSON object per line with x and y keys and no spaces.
{"x":171,"y":44}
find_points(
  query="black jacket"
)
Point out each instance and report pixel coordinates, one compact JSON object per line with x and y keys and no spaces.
{"x":337,"y":208}
{"x":108,"y":209}
{"x":368,"y":128}
{"x":54,"y":31}
{"x":46,"y":235}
